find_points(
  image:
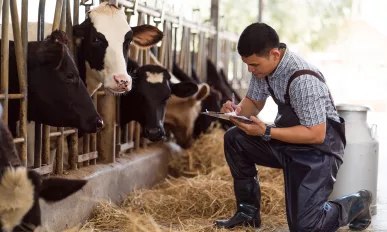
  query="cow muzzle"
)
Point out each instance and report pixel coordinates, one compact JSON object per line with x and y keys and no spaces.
{"x":123,"y":83}
{"x":154,"y":134}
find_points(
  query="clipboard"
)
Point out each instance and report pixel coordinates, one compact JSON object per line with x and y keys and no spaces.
{"x":226,"y":116}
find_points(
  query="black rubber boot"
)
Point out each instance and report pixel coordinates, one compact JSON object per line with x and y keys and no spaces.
{"x":248,"y":199}
{"x":359,"y":215}
{"x":360,"y":221}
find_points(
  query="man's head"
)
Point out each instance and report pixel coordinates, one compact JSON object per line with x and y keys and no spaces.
{"x":259,"y":47}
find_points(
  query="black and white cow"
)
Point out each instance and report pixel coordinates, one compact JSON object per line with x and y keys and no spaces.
{"x":56,"y":94}
{"x":103,"y":42}
{"x":146,"y":102}
{"x":21,"y":189}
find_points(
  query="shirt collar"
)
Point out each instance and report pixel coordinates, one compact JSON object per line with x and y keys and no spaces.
{"x":282,"y":64}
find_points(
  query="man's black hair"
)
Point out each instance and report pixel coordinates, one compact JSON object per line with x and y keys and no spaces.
{"x":259,"y":39}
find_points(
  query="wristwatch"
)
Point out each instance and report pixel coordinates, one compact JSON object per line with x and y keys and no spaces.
{"x":266,"y":136}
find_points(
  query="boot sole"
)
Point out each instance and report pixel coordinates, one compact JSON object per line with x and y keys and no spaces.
{"x":361,"y":226}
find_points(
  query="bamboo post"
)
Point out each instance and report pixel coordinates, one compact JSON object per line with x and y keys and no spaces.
{"x":22,"y":73}
{"x":5,"y":58}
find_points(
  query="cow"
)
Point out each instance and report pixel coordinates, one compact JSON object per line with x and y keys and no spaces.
{"x":56,"y":94}
{"x":210,"y":103}
{"x":103,"y":41}
{"x":21,"y":188}
{"x":218,"y":81}
{"x":146,"y":102}
{"x":181,"y":114}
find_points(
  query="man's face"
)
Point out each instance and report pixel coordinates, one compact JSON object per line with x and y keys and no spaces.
{"x":261,"y":66}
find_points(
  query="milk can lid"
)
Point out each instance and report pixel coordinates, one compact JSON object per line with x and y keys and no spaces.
{"x":352,"y":107}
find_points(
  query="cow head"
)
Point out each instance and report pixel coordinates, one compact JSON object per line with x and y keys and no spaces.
{"x":56,"y":94}
{"x":181,"y":114}
{"x":20,"y":189}
{"x":103,"y":40}
{"x":147,"y":101}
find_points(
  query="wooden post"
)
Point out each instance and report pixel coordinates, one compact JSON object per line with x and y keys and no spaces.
{"x":22,"y":73}
{"x":107,"y":138}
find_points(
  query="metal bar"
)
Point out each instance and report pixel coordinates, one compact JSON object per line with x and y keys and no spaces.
{"x":46,"y":145}
{"x":1,"y":6}
{"x":42,"y":6}
{"x":137,"y":133}
{"x":163,"y":44}
{"x":93,"y":139}
{"x":5,"y":58}
{"x":62,"y":24}
{"x":73,"y":151}
{"x":170,"y":51}
{"x":38,"y":126}
{"x":76,"y":12}
{"x":11,"y":96}
{"x":22,"y":73}
{"x":67,"y":132}
{"x":126,"y":146}
{"x":58,"y":9}
{"x":87,"y":156}
{"x":69,"y":27}
{"x":86,"y":147}
{"x":18,"y":140}
{"x":24,"y":27}
{"x":46,"y":169}
{"x":59,"y":153}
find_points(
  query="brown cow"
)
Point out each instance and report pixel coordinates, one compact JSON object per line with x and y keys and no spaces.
{"x":181,"y":114}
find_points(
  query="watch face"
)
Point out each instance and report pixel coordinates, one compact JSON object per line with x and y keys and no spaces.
{"x":266,"y":137}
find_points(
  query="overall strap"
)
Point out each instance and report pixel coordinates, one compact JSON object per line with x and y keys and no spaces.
{"x":304,"y":72}
{"x":271,"y":91}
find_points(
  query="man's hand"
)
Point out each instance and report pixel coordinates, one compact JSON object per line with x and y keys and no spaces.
{"x":257,"y":128}
{"x":228,"y":107}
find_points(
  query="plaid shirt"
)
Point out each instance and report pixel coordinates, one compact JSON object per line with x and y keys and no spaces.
{"x":309,"y":96}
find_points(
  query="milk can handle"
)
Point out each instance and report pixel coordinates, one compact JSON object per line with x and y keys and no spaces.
{"x":373,"y":130}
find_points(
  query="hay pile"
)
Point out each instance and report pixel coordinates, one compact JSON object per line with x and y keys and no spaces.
{"x":192,"y":204}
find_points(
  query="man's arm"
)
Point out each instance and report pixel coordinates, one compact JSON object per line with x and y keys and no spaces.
{"x":300,"y":134}
{"x":250,"y":107}
{"x":308,"y":100}
{"x":307,"y":96}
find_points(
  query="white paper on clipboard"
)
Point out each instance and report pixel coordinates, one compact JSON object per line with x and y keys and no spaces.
{"x":226,"y":116}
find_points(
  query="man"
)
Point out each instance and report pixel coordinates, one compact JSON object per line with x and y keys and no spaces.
{"x":307,"y":140}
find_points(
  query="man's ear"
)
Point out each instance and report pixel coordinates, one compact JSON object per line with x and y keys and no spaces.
{"x":56,"y":189}
{"x":184,"y":89}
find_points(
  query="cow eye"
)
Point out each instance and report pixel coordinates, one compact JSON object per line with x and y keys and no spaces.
{"x":96,"y":40}
{"x":70,"y":76}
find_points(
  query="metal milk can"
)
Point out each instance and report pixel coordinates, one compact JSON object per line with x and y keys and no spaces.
{"x":360,"y":167}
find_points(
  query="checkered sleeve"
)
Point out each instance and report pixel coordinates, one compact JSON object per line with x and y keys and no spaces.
{"x":258,"y":89}
{"x":308,"y":96}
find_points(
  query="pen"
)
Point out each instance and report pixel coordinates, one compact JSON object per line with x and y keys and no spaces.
{"x":233,"y":101}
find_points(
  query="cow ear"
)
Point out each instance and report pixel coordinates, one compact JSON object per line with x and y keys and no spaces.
{"x":56,"y":189}
{"x":146,"y":35}
{"x":79,"y":31}
{"x":50,"y":52}
{"x":184,"y":89}
{"x":204,"y":91}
